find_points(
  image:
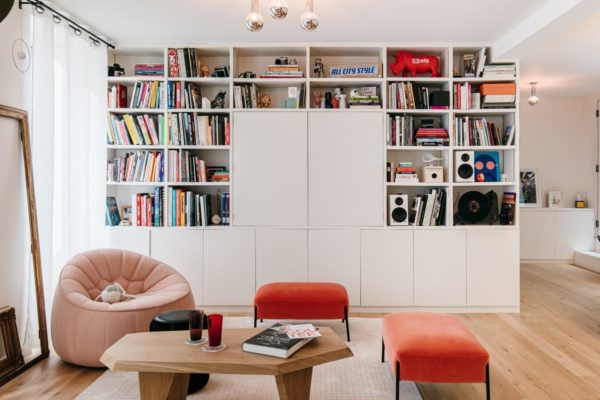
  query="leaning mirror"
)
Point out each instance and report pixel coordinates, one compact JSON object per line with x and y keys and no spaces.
{"x":23,"y":333}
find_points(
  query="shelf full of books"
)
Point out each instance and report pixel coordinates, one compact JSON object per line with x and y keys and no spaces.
{"x":193,"y":129}
{"x":139,"y":129}
{"x":189,"y":208}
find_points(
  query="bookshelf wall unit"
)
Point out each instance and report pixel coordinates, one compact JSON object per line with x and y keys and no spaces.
{"x":309,"y":191}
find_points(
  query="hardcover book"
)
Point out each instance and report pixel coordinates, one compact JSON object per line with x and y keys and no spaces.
{"x":274,"y":342}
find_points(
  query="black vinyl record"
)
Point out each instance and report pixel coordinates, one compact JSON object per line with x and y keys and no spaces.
{"x":5,"y":7}
{"x":473,"y":207}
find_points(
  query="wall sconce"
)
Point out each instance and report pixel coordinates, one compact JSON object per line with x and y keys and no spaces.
{"x":533,"y":99}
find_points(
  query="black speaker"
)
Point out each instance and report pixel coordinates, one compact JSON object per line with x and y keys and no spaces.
{"x":398,"y":209}
{"x":464,"y":166}
{"x":5,"y":7}
{"x":440,"y":98}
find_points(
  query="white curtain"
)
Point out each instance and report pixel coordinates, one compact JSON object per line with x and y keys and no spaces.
{"x":68,"y":138}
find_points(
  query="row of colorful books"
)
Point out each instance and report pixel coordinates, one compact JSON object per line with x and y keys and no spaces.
{"x":429,"y":209}
{"x":188,"y":208}
{"x":130,"y":129}
{"x":199,"y":130}
{"x":147,"y":209}
{"x":410,"y":96}
{"x":469,"y":131}
{"x":139,"y":166}
{"x":147,"y":95}
{"x":185,"y":95}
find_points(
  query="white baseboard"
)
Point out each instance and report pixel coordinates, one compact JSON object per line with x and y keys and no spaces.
{"x":589,"y":260}
{"x":567,"y":261}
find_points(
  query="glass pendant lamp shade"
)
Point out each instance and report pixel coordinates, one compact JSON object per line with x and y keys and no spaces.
{"x":533,"y":99}
{"x":309,"y":20}
{"x":254,"y":21}
{"x":278,"y":9}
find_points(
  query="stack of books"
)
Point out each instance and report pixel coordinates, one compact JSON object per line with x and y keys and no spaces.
{"x":148,"y":94}
{"x":498,"y":95}
{"x":432,"y":137}
{"x":149,"y":69}
{"x":405,"y":173}
{"x":139,"y":166}
{"x":130,"y":129}
{"x":429,"y":209}
{"x":366,"y":97}
{"x":283,"y":71}
{"x":500,"y":71}
{"x":148,"y":209}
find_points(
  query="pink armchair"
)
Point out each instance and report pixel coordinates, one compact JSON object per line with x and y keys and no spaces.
{"x":82,"y":328}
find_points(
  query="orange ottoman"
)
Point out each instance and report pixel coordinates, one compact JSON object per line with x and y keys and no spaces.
{"x":302,"y":300}
{"x":428,"y":347}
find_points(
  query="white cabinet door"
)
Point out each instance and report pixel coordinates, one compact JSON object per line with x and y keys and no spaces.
{"x":440,"y":268}
{"x":386,"y":268}
{"x":182,"y":249}
{"x":269,"y":169}
{"x":574,"y":232}
{"x":281,"y":256}
{"x":537,"y":234}
{"x":229,"y":275}
{"x":128,"y":238}
{"x":345,"y":169}
{"x":334,"y":256}
{"x":492,"y":267}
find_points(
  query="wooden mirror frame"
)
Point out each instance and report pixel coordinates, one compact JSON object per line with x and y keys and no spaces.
{"x":21,"y":117}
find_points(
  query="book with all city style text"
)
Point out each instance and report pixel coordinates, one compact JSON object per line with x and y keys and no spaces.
{"x":276,"y":341}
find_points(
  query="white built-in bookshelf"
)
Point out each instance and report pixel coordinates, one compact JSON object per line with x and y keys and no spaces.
{"x":255,"y":59}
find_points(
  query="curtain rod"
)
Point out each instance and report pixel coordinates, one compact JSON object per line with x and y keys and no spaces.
{"x":74,"y":24}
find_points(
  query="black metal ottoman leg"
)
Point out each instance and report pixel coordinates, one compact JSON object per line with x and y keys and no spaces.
{"x":397,"y":380}
{"x":382,"y":351}
{"x":488,"y":392}
{"x":347,"y":322}
{"x":255,"y":316}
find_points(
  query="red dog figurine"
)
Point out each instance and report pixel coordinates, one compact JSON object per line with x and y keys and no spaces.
{"x":407,"y":62}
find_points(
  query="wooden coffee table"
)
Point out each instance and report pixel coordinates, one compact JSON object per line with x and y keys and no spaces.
{"x":164,"y":362}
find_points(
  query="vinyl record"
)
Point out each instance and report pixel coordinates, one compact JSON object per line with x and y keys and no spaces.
{"x":5,"y":7}
{"x":473,"y":207}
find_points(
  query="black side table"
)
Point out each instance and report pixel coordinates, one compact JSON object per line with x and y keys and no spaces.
{"x":178,"y":320}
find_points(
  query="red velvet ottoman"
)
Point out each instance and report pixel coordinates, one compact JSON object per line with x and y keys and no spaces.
{"x":302,"y":300}
{"x":428,"y":347}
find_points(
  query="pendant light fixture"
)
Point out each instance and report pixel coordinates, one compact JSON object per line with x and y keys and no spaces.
{"x":278,"y":9}
{"x":254,"y":21}
{"x":309,"y":20}
{"x":533,"y":99}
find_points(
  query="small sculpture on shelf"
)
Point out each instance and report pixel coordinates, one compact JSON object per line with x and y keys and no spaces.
{"x":264,"y":101}
{"x":319,"y":68}
{"x":204,"y":71}
{"x":420,"y":64}
{"x":328,"y":100}
{"x":317,"y":96}
{"x":219,"y":100}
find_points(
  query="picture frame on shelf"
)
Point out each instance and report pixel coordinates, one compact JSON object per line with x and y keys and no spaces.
{"x":555,"y":199}
{"x":529,"y":188}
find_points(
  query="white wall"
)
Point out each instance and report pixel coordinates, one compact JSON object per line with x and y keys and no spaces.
{"x":558,"y":138}
{"x":14,"y":235}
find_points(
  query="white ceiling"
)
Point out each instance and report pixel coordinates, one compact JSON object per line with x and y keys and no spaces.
{"x":557,"y":41}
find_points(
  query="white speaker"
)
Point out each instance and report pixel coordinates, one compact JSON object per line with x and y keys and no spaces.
{"x":464,"y":166}
{"x":398,"y":209}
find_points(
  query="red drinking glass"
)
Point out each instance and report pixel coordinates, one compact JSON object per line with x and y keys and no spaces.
{"x":215,"y":328}
{"x":196,"y":317}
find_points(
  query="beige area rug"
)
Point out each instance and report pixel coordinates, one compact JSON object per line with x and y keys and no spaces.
{"x":362,"y":377}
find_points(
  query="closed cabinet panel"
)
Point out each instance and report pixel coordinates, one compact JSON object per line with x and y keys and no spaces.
{"x":334,"y":256}
{"x":229,"y":275}
{"x":281,"y":256}
{"x":386,"y":268}
{"x":345,"y":162}
{"x":537,"y":235}
{"x":130,"y":238}
{"x":183,"y":250}
{"x":269,"y":169}
{"x":440,"y":268}
{"x":492,"y":268}
{"x":574,"y":232}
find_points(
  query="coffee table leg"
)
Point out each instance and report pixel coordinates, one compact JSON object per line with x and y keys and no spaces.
{"x":163,"y":386}
{"x":295,"y":385}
